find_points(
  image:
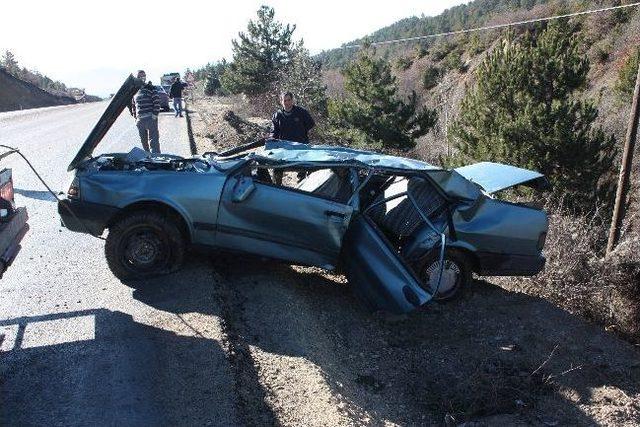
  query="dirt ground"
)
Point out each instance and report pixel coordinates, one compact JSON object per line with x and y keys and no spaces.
{"x":306,"y":352}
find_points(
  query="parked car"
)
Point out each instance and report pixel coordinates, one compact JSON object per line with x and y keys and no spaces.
{"x":13,"y":222}
{"x":403,"y":231}
{"x":164,"y":98}
{"x":167,"y":80}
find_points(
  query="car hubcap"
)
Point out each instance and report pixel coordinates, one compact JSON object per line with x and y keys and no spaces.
{"x":144,"y":250}
{"x":450,"y":276}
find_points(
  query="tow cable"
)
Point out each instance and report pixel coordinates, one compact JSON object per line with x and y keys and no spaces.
{"x":13,"y":150}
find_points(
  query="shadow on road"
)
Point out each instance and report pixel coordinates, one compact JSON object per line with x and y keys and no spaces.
{"x":35,"y":194}
{"x":189,"y":291}
{"x":120,"y":372}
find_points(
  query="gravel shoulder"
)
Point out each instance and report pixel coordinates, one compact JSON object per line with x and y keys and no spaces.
{"x":308,"y":353}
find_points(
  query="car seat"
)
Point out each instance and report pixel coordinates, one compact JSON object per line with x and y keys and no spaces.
{"x":327,"y":183}
{"x":398,"y":218}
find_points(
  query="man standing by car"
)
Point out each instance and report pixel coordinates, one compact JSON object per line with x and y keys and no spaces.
{"x":176,"y":94}
{"x":145,"y":107}
{"x":290,"y":123}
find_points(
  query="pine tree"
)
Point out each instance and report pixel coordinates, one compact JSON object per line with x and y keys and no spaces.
{"x":259,"y":54}
{"x":303,"y":77}
{"x":211,"y":84}
{"x":372,"y":113}
{"x":9,"y":62}
{"x":523,"y":111}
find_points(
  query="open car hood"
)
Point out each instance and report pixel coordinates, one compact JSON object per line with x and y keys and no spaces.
{"x":494,"y":177}
{"x":118,"y":103}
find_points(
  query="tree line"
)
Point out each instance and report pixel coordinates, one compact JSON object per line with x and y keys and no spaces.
{"x":523,"y":108}
{"x":10,"y":63}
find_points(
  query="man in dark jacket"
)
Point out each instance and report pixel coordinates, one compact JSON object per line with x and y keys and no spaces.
{"x":291,"y":123}
{"x":176,"y":93}
{"x":145,"y":107}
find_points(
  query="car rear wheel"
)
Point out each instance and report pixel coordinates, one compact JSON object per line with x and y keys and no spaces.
{"x":144,"y":244}
{"x":455,"y":275}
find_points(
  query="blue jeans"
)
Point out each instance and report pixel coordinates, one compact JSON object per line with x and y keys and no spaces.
{"x":177,"y":106}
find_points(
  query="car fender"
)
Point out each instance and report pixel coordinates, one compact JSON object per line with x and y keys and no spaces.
{"x":156,"y":198}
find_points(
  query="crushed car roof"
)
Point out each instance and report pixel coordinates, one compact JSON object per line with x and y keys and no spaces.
{"x":491,"y":177}
{"x":278,"y":151}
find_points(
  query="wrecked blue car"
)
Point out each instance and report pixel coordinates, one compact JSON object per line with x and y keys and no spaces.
{"x":402,"y":231}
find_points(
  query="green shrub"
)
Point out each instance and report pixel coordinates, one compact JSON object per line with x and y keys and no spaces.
{"x":421,"y":51}
{"x":453,"y":61}
{"x":627,"y":75}
{"x":442,"y":50}
{"x":431,"y":77}
{"x":603,"y":53}
{"x":403,"y":63}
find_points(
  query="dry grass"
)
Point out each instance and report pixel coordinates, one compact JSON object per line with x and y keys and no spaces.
{"x":581,"y":280}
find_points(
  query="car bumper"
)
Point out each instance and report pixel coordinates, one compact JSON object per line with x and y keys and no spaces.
{"x":11,"y":233}
{"x":492,"y":264}
{"x":85,"y":217}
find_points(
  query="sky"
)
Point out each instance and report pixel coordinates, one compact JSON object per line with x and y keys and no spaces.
{"x":95,"y":45}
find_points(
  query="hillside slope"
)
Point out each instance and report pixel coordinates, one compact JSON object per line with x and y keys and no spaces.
{"x":474,"y":14}
{"x":16,"y":94}
{"x":608,"y":39}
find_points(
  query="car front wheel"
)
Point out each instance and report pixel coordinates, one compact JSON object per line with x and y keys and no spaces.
{"x":455,"y":275}
{"x":144,"y":244}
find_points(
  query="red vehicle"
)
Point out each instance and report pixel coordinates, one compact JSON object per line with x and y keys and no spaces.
{"x":13,"y":222}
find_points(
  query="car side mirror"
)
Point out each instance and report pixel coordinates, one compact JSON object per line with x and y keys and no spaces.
{"x":243,"y":189}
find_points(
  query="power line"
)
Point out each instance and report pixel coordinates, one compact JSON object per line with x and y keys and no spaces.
{"x":493,"y":27}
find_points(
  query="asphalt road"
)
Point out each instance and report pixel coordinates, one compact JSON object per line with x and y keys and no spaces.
{"x":77,"y":346}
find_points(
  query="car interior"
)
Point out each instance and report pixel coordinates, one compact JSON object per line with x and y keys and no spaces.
{"x":394,"y":212}
{"x":381,"y":197}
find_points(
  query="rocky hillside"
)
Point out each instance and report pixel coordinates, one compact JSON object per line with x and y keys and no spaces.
{"x":16,"y":94}
{"x":440,"y":70}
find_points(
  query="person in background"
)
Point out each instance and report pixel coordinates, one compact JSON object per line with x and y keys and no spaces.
{"x":176,"y":93}
{"x":145,"y":107}
{"x":290,"y":123}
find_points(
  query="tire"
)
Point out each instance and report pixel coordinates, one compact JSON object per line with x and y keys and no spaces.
{"x":456,"y":274}
{"x":144,"y":244}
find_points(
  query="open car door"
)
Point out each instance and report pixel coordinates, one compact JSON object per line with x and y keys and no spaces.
{"x":377,"y":272}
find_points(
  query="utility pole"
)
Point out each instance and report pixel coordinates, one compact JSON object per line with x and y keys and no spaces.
{"x":625,"y":169}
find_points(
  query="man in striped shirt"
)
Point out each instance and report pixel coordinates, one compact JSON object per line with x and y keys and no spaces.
{"x":145,"y":107}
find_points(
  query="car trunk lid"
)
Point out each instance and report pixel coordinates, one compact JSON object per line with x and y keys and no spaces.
{"x":494,"y":177}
